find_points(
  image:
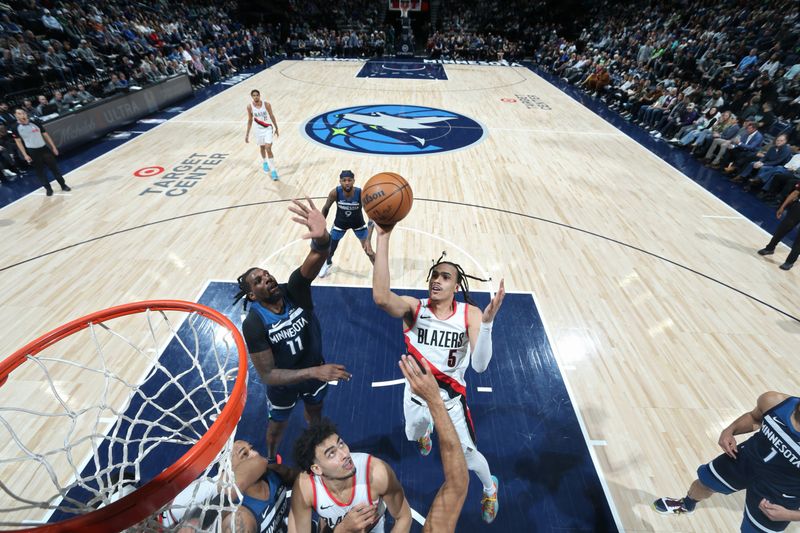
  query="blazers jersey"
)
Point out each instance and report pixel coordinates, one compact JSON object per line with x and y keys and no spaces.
{"x":260,"y":116}
{"x":332,"y":511}
{"x":444,"y":343}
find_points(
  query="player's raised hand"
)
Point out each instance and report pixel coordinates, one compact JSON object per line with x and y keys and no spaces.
{"x":358,"y":519}
{"x":420,"y":378}
{"x":310,"y":217}
{"x":330,"y":372}
{"x":383,"y":229}
{"x":494,"y":306}
{"x":728,"y":443}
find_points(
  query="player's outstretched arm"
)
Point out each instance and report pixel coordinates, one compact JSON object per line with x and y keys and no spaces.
{"x":397,"y":306}
{"x":300,"y":513}
{"x":386,"y":485}
{"x":480,"y":330}
{"x":329,"y":203}
{"x":446,"y":507}
{"x":310,"y":217}
{"x":270,"y":375}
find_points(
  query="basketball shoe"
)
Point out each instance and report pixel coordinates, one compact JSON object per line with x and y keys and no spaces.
{"x":425,"y":443}
{"x":326,"y":269}
{"x":489,"y":505}
{"x":265,"y":166}
{"x":671,"y":506}
{"x":274,"y":175}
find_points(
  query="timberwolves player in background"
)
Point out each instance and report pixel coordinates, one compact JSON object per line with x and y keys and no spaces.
{"x":766,"y":466}
{"x":260,"y":113}
{"x":283,"y":334}
{"x":349,"y":216}
{"x":442,"y":331}
{"x":348,"y":491}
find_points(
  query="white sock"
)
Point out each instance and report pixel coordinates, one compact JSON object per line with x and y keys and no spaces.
{"x":272,"y":164}
{"x":478,"y":464}
{"x":265,"y":159}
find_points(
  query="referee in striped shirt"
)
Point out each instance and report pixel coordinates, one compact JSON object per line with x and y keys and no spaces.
{"x":33,"y":141}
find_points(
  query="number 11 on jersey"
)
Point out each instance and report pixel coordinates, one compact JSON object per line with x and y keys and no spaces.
{"x":299,"y":345}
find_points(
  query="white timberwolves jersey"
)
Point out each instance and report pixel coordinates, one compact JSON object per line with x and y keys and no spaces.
{"x":444,"y":343}
{"x":260,"y":116}
{"x":333,"y":511}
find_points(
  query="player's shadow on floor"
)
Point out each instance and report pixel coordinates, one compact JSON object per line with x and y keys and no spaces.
{"x":747,"y":248}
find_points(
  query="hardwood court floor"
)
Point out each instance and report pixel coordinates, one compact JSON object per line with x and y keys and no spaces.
{"x":649,"y":287}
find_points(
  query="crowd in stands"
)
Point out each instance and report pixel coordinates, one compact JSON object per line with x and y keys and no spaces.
{"x":58,"y":58}
{"x":74,"y":52}
{"x":306,"y":42}
{"x":720,"y":79}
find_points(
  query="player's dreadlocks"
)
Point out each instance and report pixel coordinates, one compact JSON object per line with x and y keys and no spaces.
{"x":461,"y":277}
{"x":244,"y":288}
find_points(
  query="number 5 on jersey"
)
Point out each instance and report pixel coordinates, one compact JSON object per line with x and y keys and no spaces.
{"x":451,"y":358}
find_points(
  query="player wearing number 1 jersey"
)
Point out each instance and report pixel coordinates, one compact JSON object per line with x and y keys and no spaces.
{"x":283,"y":334}
{"x":450,"y":335}
{"x":766,"y":466}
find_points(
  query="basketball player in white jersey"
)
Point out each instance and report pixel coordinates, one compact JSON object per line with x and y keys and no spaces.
{"x":260,"y":113}
{"x":349,"y":492}
{"x":448,"y":334}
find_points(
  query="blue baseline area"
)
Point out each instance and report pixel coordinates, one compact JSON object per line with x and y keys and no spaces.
{"x":526,"y":427}
{"x":714,"y":181}
{"x":397,"y":70}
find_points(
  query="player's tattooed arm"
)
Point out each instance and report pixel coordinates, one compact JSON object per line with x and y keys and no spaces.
{"x":309,"y":216}
{"x":270,"y":375}
{"x":329,"y":203}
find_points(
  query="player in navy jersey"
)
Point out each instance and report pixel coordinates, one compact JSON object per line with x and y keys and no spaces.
{"x":263,"y":508}
{"x":349,"y":216}
{"x":766,"y":466}
{"x":283,"y":334}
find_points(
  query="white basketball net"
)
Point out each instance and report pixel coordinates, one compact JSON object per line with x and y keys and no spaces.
{"x":405,"y":7}
{"x":103,"y":405}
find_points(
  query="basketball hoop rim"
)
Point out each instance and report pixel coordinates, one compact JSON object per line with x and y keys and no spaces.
{"x":152,"y":496}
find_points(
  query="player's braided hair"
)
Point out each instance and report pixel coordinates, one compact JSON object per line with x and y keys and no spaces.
{"x":462,"y":278}
{"x":244,"y":288}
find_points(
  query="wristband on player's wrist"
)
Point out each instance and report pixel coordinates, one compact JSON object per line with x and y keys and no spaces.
{"x":319,"y":246}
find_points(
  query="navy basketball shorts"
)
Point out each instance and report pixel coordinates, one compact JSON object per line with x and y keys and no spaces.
{"x":337,"y":234}
{"x":282,"y":399}
{"x":726,"y":476}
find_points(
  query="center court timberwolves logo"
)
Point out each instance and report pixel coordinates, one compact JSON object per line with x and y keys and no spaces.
{"x":394,"y":130}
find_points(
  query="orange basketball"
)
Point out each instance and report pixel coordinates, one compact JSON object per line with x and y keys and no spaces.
{"x":387,"y":198}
